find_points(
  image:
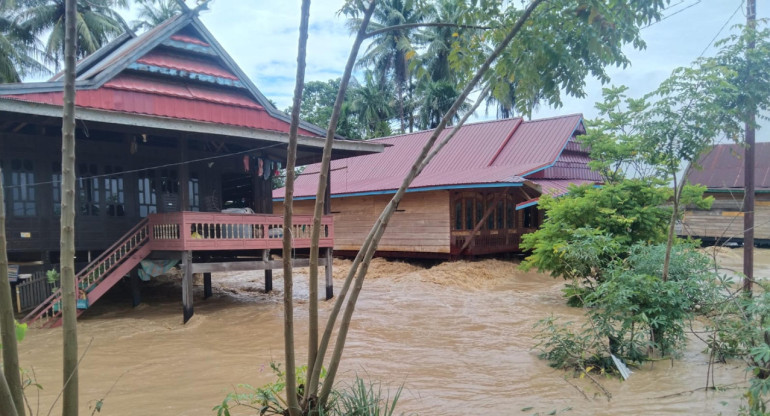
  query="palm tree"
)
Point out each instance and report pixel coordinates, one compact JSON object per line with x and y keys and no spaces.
{"x":97,"y":24}
{"x":390,"y":52}
{"x":371,"y":103}
{"x":20,"y":53}
{"x":437,"y":98}
{"x":155,"y":12}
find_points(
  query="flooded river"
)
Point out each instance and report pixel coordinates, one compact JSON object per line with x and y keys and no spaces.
{"x":458,"y":336}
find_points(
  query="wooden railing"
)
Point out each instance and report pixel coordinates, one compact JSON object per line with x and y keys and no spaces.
{"x":181,"y":231}
{"x":96,"y":271}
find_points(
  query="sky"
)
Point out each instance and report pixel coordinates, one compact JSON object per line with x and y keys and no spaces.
{"x":262,"y":38}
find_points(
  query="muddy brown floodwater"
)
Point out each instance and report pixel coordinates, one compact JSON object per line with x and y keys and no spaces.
{"x":458,"y":336}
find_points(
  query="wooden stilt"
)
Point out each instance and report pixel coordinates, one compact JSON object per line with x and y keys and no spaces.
{"x":328,"y":270}
{"x":268,"y":272}
{"x":207,"y":285}
{"x":136,"y":292}
{"x":187,"y":286}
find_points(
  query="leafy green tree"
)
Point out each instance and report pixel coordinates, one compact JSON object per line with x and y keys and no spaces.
{"x":20,"y":54}
{"x":614,"y":139}
{"x":390,"y":52}
{"x":633,"y":312}
{"x":436,"y":98}
{"x":371,"y":103}
{"x":604,"y":221}
{"x":318,"y":101}
{"x":154,"y":12}
{"x":98,"y":22}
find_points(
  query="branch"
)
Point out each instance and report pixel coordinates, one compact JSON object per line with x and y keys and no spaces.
{"x":413,"y":25}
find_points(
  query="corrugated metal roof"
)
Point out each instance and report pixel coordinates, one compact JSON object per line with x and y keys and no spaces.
{"x":181,"y":62}
{"x":181,"y":37}
{"x":513,"y":147}
{"x":144,"y":95}
{"x":723,"y":167}
{"x":142,"y":75}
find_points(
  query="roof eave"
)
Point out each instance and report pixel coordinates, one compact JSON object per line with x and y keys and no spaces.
{"x":190,"y":126}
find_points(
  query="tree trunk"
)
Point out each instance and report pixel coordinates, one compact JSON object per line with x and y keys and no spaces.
{"x":365,"y":254}
{"x":7,"y":322}
{"x":313,"y":372}
{"x":674,"y":215}
{"x":6,"y":401}
{"x":68,"y":283}
{"x":291,"y":159}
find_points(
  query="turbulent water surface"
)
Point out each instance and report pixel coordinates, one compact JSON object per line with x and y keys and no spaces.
{"x":458,"y":336}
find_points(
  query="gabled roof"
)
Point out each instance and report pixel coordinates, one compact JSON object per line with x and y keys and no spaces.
{"x":722,"y":168}
{"x":486,"y":154}
{"x":176,"y":70}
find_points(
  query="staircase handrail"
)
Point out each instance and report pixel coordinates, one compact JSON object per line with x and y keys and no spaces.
{"x":48,"y":303}
{"x":109,"y":251}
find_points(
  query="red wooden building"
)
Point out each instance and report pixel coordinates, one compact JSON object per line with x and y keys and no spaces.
{"x":169,"y":133}
{"x":476,"y":197}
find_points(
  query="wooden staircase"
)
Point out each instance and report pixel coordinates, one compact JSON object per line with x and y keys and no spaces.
{"x":98,"y":276}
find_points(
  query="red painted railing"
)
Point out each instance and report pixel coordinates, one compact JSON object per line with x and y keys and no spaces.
{"x":180,"y":231}
{"x":121,"y":257}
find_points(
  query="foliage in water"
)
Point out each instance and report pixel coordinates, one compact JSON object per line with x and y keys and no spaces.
{"x":589,"y":228}
{"x":633,"y":313}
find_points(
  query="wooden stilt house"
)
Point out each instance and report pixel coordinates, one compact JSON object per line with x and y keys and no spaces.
{"x":170,"y":132}
{"x":478,"y":196}
{"x":722,"y":173}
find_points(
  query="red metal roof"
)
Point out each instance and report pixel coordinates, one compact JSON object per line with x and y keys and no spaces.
{"x":492,"y":152}
{"x":723,"y":167}
{"x":150,"y":75}
{"x":141,"y":95}
{"x":165,"y":59}
{"x":188,"y":39}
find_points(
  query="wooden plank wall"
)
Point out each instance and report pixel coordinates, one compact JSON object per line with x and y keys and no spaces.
{"x":725,"y":220}
{"x":421,"y":223}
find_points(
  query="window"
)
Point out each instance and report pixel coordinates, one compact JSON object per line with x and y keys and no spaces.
{"x":491,"y":217}
{"x":56,"y":187}
{"x":22,"y":188}
{"x":148,"y":200}
{"x":510,"y":214}
{"x":500,"y":213}
{"x":459,"y":215}
{"x":193,"y":192}
{"x":88,"y":189}
{"x":530,"y":217}
{"x":468,"y":214}
{"x":114,"y":197}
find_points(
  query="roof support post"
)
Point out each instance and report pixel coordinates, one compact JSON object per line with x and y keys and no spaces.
{"x":184,"y":176}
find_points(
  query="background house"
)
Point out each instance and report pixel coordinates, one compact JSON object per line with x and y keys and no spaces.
{"x":477,"y":196}
{"x":722,"y":172}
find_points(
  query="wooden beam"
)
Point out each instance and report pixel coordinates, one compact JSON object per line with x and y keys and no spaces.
{"x":207,"y":285}
{"x":483,"y":219}
{"x":328,"y":271}
{"x":268,"y":272}
{"x":136,"y":293}
{"x":244,"y":266}
{"x":184,"y":176}
{"x":187,"y":286}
